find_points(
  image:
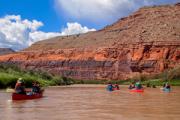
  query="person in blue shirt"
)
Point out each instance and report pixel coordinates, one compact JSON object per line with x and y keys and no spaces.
{"x":36,"y":87}
{"x":110,"y":87}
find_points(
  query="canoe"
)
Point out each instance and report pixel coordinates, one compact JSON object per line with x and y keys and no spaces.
{"x":137,"y":90}
{"x":109,"y":88}
{"x":166,"y":90}
{"x":16,"y":96}
{"x":115,"y":88}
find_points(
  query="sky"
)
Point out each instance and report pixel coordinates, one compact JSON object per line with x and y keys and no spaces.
{"x":24,"y":22}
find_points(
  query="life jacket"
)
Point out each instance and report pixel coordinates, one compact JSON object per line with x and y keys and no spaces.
{"x":116,"y":87}
{"x":36,"y":89}
{"x":19,"y":88}
{"x":110,"y":87}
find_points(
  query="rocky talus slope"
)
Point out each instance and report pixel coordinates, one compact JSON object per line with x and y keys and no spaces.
{"x":146,"y":42}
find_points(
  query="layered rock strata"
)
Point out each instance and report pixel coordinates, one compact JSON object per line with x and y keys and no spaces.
{"x":146,"y":42}
{"x":115,"y":63}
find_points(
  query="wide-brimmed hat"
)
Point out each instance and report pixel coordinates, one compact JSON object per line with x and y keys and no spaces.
{"x":20,"y":80}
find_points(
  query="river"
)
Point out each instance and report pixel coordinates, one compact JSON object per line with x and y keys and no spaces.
{"x":93,"y":102}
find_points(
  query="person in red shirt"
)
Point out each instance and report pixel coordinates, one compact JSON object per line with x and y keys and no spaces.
{"x":116,"y":86}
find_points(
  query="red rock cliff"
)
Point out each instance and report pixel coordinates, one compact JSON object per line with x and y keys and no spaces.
{"x":147,"y":41}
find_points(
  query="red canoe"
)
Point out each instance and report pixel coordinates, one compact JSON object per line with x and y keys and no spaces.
{"x":115,"y":88}
{"x":16,"y":96}
{"x":137,"y":90}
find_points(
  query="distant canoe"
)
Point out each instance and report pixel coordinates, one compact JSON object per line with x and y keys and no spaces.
{"x":137,"y":90}
{"x":166,"y":90}
{"x":116,"y":89}
{"x":16,"y":96}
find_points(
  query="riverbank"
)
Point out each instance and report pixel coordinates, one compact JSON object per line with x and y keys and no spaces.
{"x":9,"y":75}
{"x":9,"y":80}
{"x":156,"y":82}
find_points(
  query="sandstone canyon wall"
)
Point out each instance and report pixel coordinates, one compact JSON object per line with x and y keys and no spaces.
{"x":148,"y":42}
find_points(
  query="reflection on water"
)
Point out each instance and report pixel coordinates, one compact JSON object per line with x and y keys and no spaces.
{"x":93,"y":103}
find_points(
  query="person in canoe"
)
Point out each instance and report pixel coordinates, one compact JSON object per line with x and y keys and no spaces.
{"x":132,"y":86}
{"x":138,"y":85}
{"x":116,"y":87}
{"x":109,"y":87}
{"x":166,"y":87}
{"x":36,"y":87}
{"x":19,"y":87}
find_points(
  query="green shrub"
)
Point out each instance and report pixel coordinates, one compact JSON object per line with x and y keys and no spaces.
{"x":10,"y":73}
{"x":174,"y":73}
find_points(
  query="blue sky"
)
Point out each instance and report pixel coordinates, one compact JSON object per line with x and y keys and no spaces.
{"x":42,"y":10}
{"x":23,"y":22}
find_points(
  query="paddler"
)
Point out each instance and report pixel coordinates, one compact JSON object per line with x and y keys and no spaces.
{"x":36,"y":87}
{"x":110,"y":87}
{"x":138,"y":85}
{"x":167,"y":86}
{"x":19,"y":87}
{"x":116,"y":86}
{"x":132,"y":86}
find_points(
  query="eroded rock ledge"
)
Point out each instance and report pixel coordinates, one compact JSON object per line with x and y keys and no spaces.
{"x":120,"y":62}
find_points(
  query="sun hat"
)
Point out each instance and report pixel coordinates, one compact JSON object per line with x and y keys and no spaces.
{"x":19,"y":80}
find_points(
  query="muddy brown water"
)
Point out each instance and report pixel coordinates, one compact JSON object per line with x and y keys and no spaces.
{"x":93,"y":102}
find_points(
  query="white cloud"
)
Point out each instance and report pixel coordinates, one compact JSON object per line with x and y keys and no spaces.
{"x":103,"y":10}
{"x":75,"y":28}
{"x":18,"y":34}
{"x":14,"y":32}
{"x":39,"y":35}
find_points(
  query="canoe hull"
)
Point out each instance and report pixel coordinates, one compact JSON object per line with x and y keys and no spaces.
{"x":166,"y":90}
{"x":16,"y":96}
{"x":116,"y":89}
{"x":136,"y":90}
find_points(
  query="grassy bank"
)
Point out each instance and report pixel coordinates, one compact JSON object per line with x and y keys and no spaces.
{"x":9,"y":75}
{"x":156,"y":82}
{"x":172,"y":76}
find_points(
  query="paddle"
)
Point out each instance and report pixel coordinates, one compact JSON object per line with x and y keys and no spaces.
{"x":10,"y":90}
